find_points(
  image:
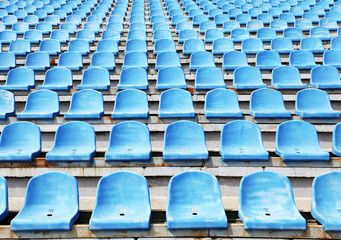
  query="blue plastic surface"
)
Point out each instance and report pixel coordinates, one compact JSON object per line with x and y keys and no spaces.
{"x":164,"y":45}
{"x":44,"y":27}
{"x":96,"y":78}
{"x":57,"y":78}
{"x":266,"y":202}
{"x":71,"y":60}
{"x":279,"y":25}
{"x":312,"y":44}
{"x":38,"y":61}
{"x":7,"y":36}
{"x":122,"y":203}
{"x":192,"y":46}
{"x":209,"y":78}
{"x":42,"y":104}
{"x":222,"y":45}
{"x":325,"y":77}
{"x":239,"y":34}
{"x":206,"y":25}
{"x":103,"y":60}
{"x":302,"y":59}
{"x":167,"y":59}
{"x":180,"y":146}
{"x":20,"y":47}
{"x":170,"y":77}
{"x":7,"y":105}
{"x":3,"y":198}
{"x":254,"y":25}
{"x":111,"y":35}
{"x":20,"y":27}
{"x":129,"y":141}
{"x":61,"y":35}
{"x":135,"y":59}
{"x":268,"y":60}
{"x":131,"y":103}
{"x":7,"y":61}
{"x":242,"y":140}
{"x":252,"y":45}
{"x":85,"y":104}
{"x":266,"y":34}
{"x":194,"y":202}
{"x":133,"y":77}
{"x":107,"y":45}
{"x":234,"y":59}
{"x":51,"y":204}
{"x":286,"y":77}
{"x":176,"y":103}
{"x":34,"y":36}
{"x":136,"y":45}
{"x":282,"y":45}
{"x":79,"y":45}
{"x":74,"y":141}
{"x":50,"y":46}
{"x":298,"y":141}
{"x":332,"y":58}
{"x":320,"y":32}
{"x":201,"y":59}
{"x":21,"y":78}
{"x":86,"y":34}
{"x":229,"y":26}
{"x":247,"y":78}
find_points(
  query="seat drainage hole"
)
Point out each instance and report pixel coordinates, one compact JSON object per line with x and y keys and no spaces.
{"x":49,"y":215}
{"x":267,"y":214}
{"x":195,"y":213}
{"x":122,"y":214}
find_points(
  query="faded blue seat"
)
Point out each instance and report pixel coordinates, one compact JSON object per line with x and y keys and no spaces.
{"x":239,"y":34}
{"x":329,"y":23}
{"x":229,"y":26}
{"x":199,"y":18}
{"x":79,"y":45}
{"x":298,"y":141}
{"x":206,"y":25}
{"x":3,"y":199}
{"x":312,"y":44}
{"x":74,"y":141}
{"x":255,"y":12}
{"x":209,"y":78}
{"x":136,"y":45}
{"x":104,"y":60}
{"x":7,"y":106}
{"x":187,"y":34}
{"x":122,"y":199}
{"x":222,"y":103}
{"x":268,"y":103}
{"x":167,"y":59}
{"x":71,"y":60}
{"x":332,"y":58}
{"x":222,"y":45}
{"x":51,"y":204}
{"x":92,"y":26}
{"x":336,"y":140}
{"x":252,"y":45}
{"x":50,"y":46}
{"x":38,"y":61}
{"x":61,"y":35}
{"x":189,"y":146}
{"x":221,"y":18}
{"x":234,"y":59}
{"x":115,"y":26}
{"x":282,"y":45}
{"x":131,"y":103}
{"x":162,"y":34}
{"x":133,"y":77}
{"x":7,"y":36}
{"x":96,"y":78}
{"x":44,"y":27}
{"x":33,"y":36}
{"x":156,"y":26}
{"x":335,"y":43}
{"x":111,"y":35}
{"x":192,"y":46}
{"x":201,"y":59}
{"x":268,"y":60}
{"x":176,"y":103}
{"x":314,"y":17}
{"x":7,"y":61}
{"x":20,"y":141}
{"x":75,"y":19}
{"x":9,"y":20}
{"x":20,"y":27}
{"x":182,"y":26}
{"x":20,"y":47}
{"x":194,"y":202}
{"x":266,"y":34}
{"x":135,"y":59}
{"x":302,"y":59}
{"x":304,"y":24}
{"x":320,"y":32}
{"x":42,"y":104}
{"x":41,"y":14}
{"x":137,"y":26}
{"x":242,"y":140}
{"x":325,"y":77}
{"x":170,"y":77}
{"x":285,"y":77}
{"x":107,"y":45}
{"x":254,"y":25}
{"x":86,"y":34}
{"x":233,"y":12}
{"x":279,"y":25}
{"x":137,"y":34}
{"x":245,"y":78}
{"x":85,"y":104}
{"x":53,"y":19}
{"x":266,"y":18}
{"x":21,"y":78}
{"x":288,"y":17}
{"x":212,"y":34}
{"x":314,"y":103}
{"x":58,"y":79}
{"x":164,"y":45}
{"x":325,"y":198}
{"x":266,"y":202}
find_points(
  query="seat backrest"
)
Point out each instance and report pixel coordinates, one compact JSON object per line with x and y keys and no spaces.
{"x":266,"y":99}
{"x":131,"y":99}
{"x":324,"y":74}
{"x":247,"y":74}
{"x":221,"y":98}
{"x":286,"y":74}
{"x":301,"y":57}
{"x":176,"y":99}
{"x":88,"y":99}
{"x":42,"y":99}
{"x":312,"y":99}
{"x":21,"y":75}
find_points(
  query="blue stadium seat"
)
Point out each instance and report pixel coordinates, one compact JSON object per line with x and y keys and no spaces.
{"x":314,"y":103}
{"x":9,"y":20}
{"x":329,"y":23}
{"x":222,"y":45}
{"x":325,"y":77}
{"x":286,"y":77}
{"x":201,"y":59}
{"x":133,"y":77}
{"x":247,"y":78}
{"x":282,"y":45}
{"x":233,"y":12}
{"x":104,"y":60}
{"x":312,"y":44}
{"x":213,"y":34}
{"x":302,"y":59}
{"x":117,"y":27}
{"x":21,"y":78}
{"x":197,"y":19}
{"x":266,"y":202}
{"x":57,"y":79}
{"x":170,"y":77}
{"x":252,"y":46}
{"x":167,"y":59}
{"x":39,"y":61}
{"x":298,"y":141}
{"x":7,"y":106}
{"x":122,"y":200}
{"x":335,"y":43}
{"x":107,"y":45}
{"x":20,"y":47}
{"x":41,"y":14}
{"x":156,"y":26}
{"x":229,"y":26}
{"x":268,"y":60}
{"x":44,"y":27}
{"x":268,"y":103}
{"x":135,"y":59}
{"x":193,"y":45}
{"x":297,"y":11}
{"x":75,"y":19}
{"x":266,"y":18}
{"x":92,"y":26}
{"x":242,"y":140}
{"x":164,"y":45}
{"x":209,"y":78}
{"x":255,"y":12}
{"x":182,"y":26}
{"x":53,"y":19}
{"x":136,"y":45}
{"x":111,"y":35}
{"x":34,"y":36}
{"x":96,"y":78}
{"x":234,"y":59}
{"x":266,"y":34}
{"x":206,"y":25}
{"x":279,"y":25}
{"x":4,"y":199}
{"x":194,"y":202}
{"x":254,"y":25}
{"x":332,"y":58}
{"x":178,"y":146}
{"x":220,"y":19}
{"x":131,"y":103}
{"x":288,"y":17}
{"x":161,"y":34}
{"x":275,"y":12}
{"x":71,"y":60}
{"x":50,"y":46}
{"x":336,"y":140}
{"x":87,"y":35}
{"x":60,"y":13}
{"x":187,"y":34}
{"x":20,"y":27}
{"x":176,"y":103}
{"x":20,"y":141}
{"x":51,"y":204}
{"x":79,"y":45}
{"x":239,"y":34}
{"x":7,"y":36}
{"x":137,"y":34}
{"x":320,"y":32}
{"x":61,"y":35}
{"x":42,"y":104}
{"x":222,"y":103}
{"x":74,"y":141}
{"x":138,"y":26}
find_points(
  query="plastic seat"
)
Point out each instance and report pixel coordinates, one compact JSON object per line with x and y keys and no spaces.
{"x":34,"y":36}
{"x":213,"y":34}
{"x":50,"y":46}
{"x":222,"y":45}
{"x":161,"y":34}
{"x":279,"y":25}
{"x":53,"y":19}
{"x":233,"y":12}
{"x":111,"y":35}
{"x":288,"y":17}
{"x":176,"y":103}
{"x":286,"y":77}
{"x":135,"y":59}
{"x":79,"y":45}
{"x":255,"y":12}
{"x":325,"y":77}
{"x":239,"y":34}
{"x":75,"y":19}
{"x":57,"y":79}
{"x":60,"y":13}
{"x":293,"y":33}
{"x":137,"y":34}
{"x":107,"y":45}
{"x":131,"y":103}
{"x":167,"y":59}
{"x":9,"y":20}
{"x":87,"y":35}
{"x":242,"y":140}
{"x":96,"y":78}
{"x":104,"y":60}
{"x":201,"y":59}
{"x":7,"y":36}
{"x":38,"y":61}
{"x":234,"y":59}
{"x":197,"y":19}
{"x":178,"y":146}
{"x":314,"y":17}
{"x":302,"y":59}
{"x":266,"y":202}
{"x":92,"y":26}
{"x":206,"y":25}
{"x":332,"y":58}
{"x":19,"y":79}
{"x":137,"y":26}
{"x":335,"y":43}
{"x":312,"y":44}
{"x":266,"y":18}
{"x":329,"y":23}
{"x":164,"y":45}
{"x":44,"y":27}
{"x":209,"y":78}
{"x":320,"y":32}
{"x":20,"y":47}
{"x":71,"y":60}
{"x":51,"y":204}
{"x":4,"y":199}
{"x":117,"y":27}
{"x":134,"y":77}
{"x":252,"y":46}
{"x":268,"y":60}
{"x":298,"y":141}
{"x":156,"y":26}
{"x":7,"y":107}
{"x":20,"y":141}
{"x":41,"y":14}
{"x":220,"y":19}
{"x":194,"y":202}
{"x":245,"y":78}
{"x":170,"y":77}
{"x":275,"y":12}
{"x":187,"y":34}
{"x":20,"y":27}
{"x":193,"y":45}
{"x":282,"y":45}
{"x":229,"y":26}
{"x":268,"y":103}
{"x":70,"y":27}
{"x":266,"y":34}
{"x":136,"y":45}
{"x":182,"y":26}
{"x":254,"y":25}
{"x":61,"y":35}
